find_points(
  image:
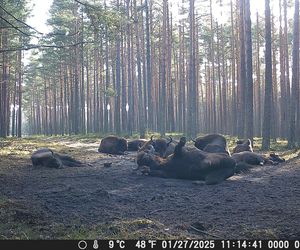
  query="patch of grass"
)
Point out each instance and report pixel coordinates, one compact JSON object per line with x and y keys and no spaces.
{"x":19,"y":221}
{"x":133,"y":229}
{"x":123,"y":229}
{"x":261,"y":234}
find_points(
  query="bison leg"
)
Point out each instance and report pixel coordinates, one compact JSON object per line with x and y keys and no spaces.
{"x":67,"y":158}
{"x":69,"y":161}
{"x":274,"y":159}
{"x":179,"y":146}
{"x":218,"y":176}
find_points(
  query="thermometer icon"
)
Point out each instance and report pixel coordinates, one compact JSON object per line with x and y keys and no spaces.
{"x":95,"y":245}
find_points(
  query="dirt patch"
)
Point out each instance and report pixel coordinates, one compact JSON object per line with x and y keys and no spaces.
{"x":117,"y":201}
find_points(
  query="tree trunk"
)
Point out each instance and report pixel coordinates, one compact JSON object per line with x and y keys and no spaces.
{"x":294,"y":105}
{"x":249,"y":74}
{"x":268,"y":79}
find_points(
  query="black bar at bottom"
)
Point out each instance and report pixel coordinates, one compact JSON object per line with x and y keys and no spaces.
{"x":147,"y":244}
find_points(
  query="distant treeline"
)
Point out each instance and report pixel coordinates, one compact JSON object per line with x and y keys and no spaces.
{"x":123,"y":66}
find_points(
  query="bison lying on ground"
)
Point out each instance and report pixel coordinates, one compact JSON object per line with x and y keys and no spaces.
{"x":246,"y":160}
{"x":47,"y":158}
{"x":188,"y":163}
{"x":212,"y":143}
{"x":162,"y":147}
{"x":113,"y":145}
{"x":135,"y":145}
{"x":243,"y":146}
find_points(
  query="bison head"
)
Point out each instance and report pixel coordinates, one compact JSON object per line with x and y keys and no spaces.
{"x":46,"y":157}
{"x":161,"y":146}
{"x":243,"y":146}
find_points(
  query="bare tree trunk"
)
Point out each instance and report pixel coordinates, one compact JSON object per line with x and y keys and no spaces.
{"x":283,"y":89}
{"x":268,"y":79}
{"x":149,"y":69}
{"x":192,"y":77}
{"x":242,"y":80}
{"x":294,"y":106}
{"x":118,"y":83}
{"x":287,"y":66}
{"x":130,"y":89}
{"x":249,"y":73}
{"x":233,"y":63}
{"x":139,"y":75}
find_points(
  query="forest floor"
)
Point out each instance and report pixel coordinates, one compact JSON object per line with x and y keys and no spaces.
{"x":98,"y":202}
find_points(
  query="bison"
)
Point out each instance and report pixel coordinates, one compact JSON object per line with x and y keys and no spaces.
{"x":212,"y":143}
{"x":162,"y":147}
{"x":47,"y":158}
{"x":189,"y":163}
{"x":243,"y":146}
{"x":246,"y":160}
{"x":135,"y":145}
{"x":113,"y":145}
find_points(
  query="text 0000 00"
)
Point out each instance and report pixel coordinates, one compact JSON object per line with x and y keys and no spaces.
{"x":281,"y":244}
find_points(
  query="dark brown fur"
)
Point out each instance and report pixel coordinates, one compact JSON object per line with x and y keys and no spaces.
{"x":135,"y":145}
{"x":47,"y":158}
{"x":145,"y":146}
{"x":162,"y":146}
{"x":246,"y":160}
{"x":243,"y":146}
{"x":113,"y":145}
{"x":187,"y":163}
{"x":212,"y":143}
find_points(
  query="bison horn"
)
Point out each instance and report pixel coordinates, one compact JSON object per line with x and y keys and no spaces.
{"x":171,"y":139}
{"x":151,"y":138}
{"x":194,"y":140}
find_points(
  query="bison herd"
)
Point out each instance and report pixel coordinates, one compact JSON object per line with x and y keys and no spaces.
{"x":209,"y":159}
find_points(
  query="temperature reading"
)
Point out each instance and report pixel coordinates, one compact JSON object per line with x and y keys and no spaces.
{"x":141,"y":244}
{"x":145,"y":244}
{"x":121,"y":243}
{"x":116,"y":243}
{"x":111,"y":244}
{"x":152,"y":243}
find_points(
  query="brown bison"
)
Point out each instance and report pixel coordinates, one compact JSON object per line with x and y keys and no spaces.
{"x":246,"y":160}
{"x":162,"y":147}
{"x":189,"y":163}
{"x":212,"y":143}
{"x":113,"y":145}
{"x":243,"y":146}
{"x":135,"y":145}
{"x":47,"y":158}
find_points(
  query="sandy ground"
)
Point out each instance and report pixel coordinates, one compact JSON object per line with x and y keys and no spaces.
{"x":261,"y":204}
